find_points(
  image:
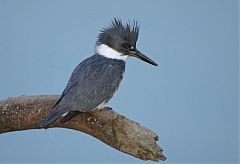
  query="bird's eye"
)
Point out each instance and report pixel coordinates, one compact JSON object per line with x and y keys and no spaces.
{"x":127,"y":46}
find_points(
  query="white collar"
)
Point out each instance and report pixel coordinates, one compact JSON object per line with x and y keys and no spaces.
{"x":109,"y":52}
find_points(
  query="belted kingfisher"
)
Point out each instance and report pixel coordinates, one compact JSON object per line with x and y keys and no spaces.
{"x":95,"y":80}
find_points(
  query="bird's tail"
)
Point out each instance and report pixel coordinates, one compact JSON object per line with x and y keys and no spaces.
{"x":51,"y":118}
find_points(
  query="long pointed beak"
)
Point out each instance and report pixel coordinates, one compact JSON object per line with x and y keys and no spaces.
{"x":141,"y":56}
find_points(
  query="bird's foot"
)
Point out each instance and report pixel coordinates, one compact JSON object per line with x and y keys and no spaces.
{"x":104,"y":109}
{"x":107,"y":108}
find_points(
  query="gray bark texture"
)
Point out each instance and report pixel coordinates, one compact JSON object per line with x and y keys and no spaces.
{"x":25,"y":112}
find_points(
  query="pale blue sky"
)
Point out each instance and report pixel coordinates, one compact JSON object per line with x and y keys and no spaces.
{"x":190,"y":100}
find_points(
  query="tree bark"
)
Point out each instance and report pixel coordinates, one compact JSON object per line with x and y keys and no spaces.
{"x":25,"y":112}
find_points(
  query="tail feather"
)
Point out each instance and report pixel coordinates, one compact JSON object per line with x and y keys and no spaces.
{"x":51,"y":118}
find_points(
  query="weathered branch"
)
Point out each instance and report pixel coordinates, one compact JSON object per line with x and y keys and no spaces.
{"x":25,"y":112}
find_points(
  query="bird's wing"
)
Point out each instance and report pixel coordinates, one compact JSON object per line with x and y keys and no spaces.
{"x":73,"y":80}
{"x":91,"y":84}
{"x":64,"y":93}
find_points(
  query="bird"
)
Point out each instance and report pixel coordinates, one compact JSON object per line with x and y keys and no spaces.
{"x":96,"y":79}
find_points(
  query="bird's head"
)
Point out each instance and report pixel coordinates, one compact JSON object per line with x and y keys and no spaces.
{"x":119,"y":41}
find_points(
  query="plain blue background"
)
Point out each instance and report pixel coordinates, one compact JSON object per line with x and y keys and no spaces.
{"x":190,"y":100}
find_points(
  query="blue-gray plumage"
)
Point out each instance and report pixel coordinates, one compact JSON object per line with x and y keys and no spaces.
{"x":95,"y":80}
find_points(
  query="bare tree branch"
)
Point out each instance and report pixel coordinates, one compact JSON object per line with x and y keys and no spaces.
{"x":25,"y":112}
